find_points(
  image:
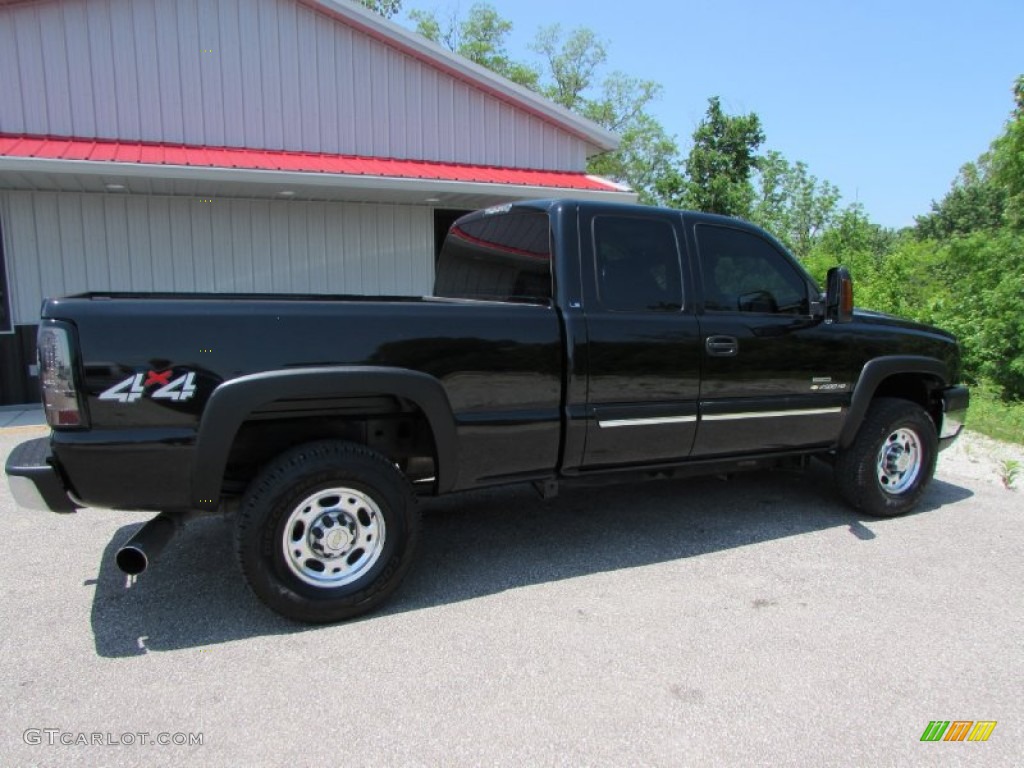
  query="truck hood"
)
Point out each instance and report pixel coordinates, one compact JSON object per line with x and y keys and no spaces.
{"x":881,"y":318}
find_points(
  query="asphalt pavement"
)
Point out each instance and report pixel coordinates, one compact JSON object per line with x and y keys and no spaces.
{"x":747,"y":621}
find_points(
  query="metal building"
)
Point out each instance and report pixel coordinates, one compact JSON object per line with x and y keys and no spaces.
{"x":296,"y":146}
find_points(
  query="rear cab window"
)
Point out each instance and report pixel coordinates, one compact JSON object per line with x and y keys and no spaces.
{"x":501,"y":254}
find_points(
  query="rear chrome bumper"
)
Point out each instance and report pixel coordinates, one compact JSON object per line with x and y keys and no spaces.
{"x":34,"y":480}
{"x":955,"y":401}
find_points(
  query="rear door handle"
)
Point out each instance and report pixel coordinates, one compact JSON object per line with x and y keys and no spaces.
{"x":722,"y":346}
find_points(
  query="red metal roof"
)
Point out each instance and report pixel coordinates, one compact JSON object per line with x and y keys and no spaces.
{"x":148,"y":153}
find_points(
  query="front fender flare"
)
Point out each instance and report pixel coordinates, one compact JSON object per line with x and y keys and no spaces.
{"x":874,"y":373}
{"x":233,"y":401}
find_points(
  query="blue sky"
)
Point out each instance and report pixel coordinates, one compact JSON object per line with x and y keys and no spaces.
{"x":884,"y":99}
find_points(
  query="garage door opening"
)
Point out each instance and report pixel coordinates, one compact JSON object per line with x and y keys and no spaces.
{"x":443,"y":220}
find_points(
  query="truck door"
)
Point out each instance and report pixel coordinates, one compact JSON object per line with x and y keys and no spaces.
{"x":773,"y":378}
{"x":643,"y":353}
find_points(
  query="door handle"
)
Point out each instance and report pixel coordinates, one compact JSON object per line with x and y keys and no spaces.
{"x":722,"y":346}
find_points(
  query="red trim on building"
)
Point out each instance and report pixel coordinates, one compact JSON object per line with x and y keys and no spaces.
{"x":149,"y":153}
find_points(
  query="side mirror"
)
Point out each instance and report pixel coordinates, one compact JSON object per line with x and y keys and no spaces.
{"x":839,"y":296}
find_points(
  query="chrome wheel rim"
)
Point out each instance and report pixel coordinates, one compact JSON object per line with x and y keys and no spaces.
{"x":899,"y":461}
{"x":333,"y":537}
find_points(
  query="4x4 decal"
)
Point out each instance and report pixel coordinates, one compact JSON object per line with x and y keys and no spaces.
{"x":135,"y":386}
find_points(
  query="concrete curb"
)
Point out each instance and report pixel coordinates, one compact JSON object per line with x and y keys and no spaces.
{"x":16,"y":416}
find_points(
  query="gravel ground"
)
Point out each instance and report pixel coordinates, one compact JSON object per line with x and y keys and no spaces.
{"x":984,"y":459}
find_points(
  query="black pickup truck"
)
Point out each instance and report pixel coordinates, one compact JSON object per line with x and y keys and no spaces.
{"x":565,"y":341}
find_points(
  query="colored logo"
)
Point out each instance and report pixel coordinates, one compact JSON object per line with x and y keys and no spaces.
{"x":958,"y":730}
{"x":134,"y":387}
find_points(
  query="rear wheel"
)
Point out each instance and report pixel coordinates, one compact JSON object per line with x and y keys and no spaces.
{"x":887,"y":468}
{"x":326,"y":531}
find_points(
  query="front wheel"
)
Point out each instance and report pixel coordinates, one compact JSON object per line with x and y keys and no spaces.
{"x":887,"y":468}
{"x":326,"y":531}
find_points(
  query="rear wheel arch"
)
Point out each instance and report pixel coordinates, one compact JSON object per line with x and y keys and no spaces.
{"x":233,"y":403}
{"x":391,"y":426}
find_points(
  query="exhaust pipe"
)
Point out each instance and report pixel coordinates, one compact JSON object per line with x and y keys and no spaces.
{"x":148,"y":542}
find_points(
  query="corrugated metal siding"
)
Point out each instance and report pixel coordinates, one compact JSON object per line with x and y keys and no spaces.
{"x":61,"y":242}
{"x":270,"y":74}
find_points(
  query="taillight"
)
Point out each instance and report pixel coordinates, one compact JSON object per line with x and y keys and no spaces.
{"x":57,"y":377}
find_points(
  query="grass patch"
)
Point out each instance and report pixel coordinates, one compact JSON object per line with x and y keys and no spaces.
{"x":992,"y":416}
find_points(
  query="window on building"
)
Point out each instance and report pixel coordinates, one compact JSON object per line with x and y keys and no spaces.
{"x":497,"y":256}
{"x":746,"y":273}
{"x":637,"y":262}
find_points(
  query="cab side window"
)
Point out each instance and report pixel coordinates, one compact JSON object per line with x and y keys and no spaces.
{"x":746,"y":273}
{"x":637,"y":262}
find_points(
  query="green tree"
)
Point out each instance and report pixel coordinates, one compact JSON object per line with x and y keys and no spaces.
{"x":569,"y":73}
{"x":386,"y":8}
{"x":570,"y":77}
{"x":975,"y":282}
{"x":771,"y":208}
{"x":974,"y":203}
{"x":645,"y":149}
{"x":720,"y":164}
{"x":793,"y":204}
{"x":984,"y":277}
{"x":571,"y":64}
{"x":1007,"y":160}
{"x":854,"y":241}
{"x":987,"y":194}
{"x":481,"y":36}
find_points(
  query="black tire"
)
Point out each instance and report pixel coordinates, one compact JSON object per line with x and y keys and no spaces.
{"x":887,"y":468}
{"x":351,"y":525}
